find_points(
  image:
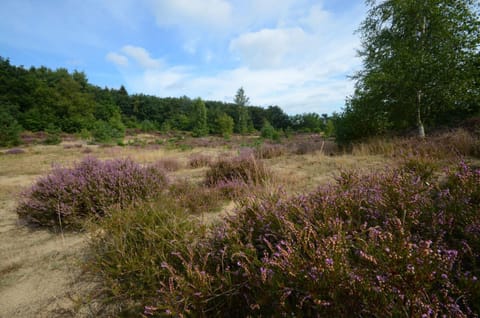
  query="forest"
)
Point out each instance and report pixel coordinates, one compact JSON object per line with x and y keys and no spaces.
{"x":41,"y":99}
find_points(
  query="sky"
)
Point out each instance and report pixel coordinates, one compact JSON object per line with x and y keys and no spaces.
{"x":297,"y":54}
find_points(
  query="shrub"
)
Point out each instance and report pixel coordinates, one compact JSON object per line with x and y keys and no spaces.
{"x":244,"y":168}
{"x":225,"y":125}
{"x":9,"y":130}
{"x":199,"y":160}
{"x":389,"y":244}
{"x":53,"y":136}
{"x":147,"y":126}
{"x":68,"y":195}
{"x":106,"y":132}
{"x":268,"y":132}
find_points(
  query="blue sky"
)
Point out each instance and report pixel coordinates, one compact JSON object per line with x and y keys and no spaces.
{"x":296,"y":54}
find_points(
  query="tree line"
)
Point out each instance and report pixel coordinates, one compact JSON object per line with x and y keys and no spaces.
{"x":42,"y":99}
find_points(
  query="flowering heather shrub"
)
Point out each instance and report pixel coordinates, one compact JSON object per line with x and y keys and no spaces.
{"x":90,"y":188}
{"x":199,"y":160}
{"x":244,"y":168}
{"x":390,"y":244}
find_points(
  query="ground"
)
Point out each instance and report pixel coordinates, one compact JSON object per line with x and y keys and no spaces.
{"x":40,"y":270}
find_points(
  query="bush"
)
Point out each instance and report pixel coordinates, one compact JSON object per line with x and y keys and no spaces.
{"x":68,"y":195}
{"x":268,"y":132}
{"x":147,"y":126}
{"x":53,"y":136}
{"x":225,"y":125}
{"x":389,"y":244}
{"x":9,"y":131}
{"x":244,"y":168}
{"x":107,"y":132}
{"x":199,"y":161}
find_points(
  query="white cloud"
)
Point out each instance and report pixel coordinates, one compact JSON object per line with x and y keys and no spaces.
{"x":316,"y":19}
{"x":141,"y":56}
{"x":299,"y":63}
{"x":117,"y":59}
{"x":269,"y":47}
{"x":201,"y":13}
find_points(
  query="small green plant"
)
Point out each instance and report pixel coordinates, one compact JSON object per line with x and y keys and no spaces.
{"x":147,"y":126}
{"x":9,"y":130}
{"x":108,"y":132}
{"x":53,"y":136}
{"x":268,"y":132}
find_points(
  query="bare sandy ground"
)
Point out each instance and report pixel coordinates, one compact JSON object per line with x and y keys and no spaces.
{"x":39,"y":270}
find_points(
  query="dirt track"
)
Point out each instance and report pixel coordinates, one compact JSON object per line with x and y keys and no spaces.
{"x":38,"y":269}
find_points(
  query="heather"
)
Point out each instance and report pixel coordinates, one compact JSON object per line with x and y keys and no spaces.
{"x":66,"y":196}
{"x":389,"y":244}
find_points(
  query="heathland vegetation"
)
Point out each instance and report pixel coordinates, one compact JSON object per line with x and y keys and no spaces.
{"x":193,"y":208}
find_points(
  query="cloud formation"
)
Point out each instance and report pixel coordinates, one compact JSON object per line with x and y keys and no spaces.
{"x":299,"y":57}
{"x":198,"y":13}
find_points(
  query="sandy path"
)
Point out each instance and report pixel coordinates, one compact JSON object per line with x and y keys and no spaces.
{"x":39,"y":272}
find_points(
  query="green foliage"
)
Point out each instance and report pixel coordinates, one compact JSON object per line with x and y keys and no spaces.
{"x":9,"y":127}
{"x":225,"y":125}
{"x":107,"y":132}
{"x":243,"y":123}
{"x":198,"y":118}
{"x":353,"y":124}
{"x":240,"y":98}
{"x":147,"y":126}
{"x":419,"y":67}
{"x":268,"y":132}
{"x":308,"y":122}
{"x":67,"y":101}
{"x":329,"y":129}
{"x":53,"y":135}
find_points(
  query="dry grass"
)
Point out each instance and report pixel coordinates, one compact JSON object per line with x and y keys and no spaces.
{"x":303,"y":173}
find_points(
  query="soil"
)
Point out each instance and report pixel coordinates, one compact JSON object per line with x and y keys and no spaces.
{"x":39,"y":269}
